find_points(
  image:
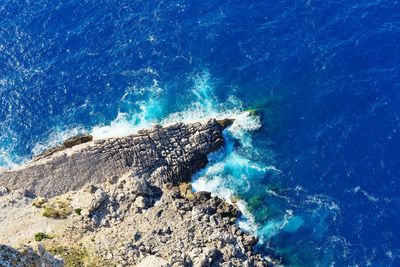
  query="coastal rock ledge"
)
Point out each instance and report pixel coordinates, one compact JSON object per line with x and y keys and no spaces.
{"x":122,"y":202}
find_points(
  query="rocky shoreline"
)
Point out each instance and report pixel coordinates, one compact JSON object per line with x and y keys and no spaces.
{"x":122,"y":202}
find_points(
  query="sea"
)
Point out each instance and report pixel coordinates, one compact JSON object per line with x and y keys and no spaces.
{"x":313,"y":158}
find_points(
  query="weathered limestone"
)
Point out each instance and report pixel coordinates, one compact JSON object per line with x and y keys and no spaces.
{"x":159,"y":154}
{"x":27,"y":256}
{"x":70,"y":142}
{"x":122,"y":202}
{"x":125,"y":223}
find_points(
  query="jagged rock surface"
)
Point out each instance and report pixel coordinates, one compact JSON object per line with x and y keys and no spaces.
{"x":27,"y":256}
{"x":132,"y":207}
{"x":161,"y":154}
{"x":70,"y":142}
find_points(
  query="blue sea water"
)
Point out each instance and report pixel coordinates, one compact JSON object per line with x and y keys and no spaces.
{"x":318,"y":169}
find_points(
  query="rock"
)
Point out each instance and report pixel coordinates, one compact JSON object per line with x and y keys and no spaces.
{"x":185,"y":190}
{"x":26,"y":256}
{"x":140,"y":202}
{"x":69,"y":143}
{"x":112,"y":179}
{"x":93,"y":162}
{"x":109,"y":184}
{"x":4,"y":191}
{"x":21,"y":193}
{"x":77,"y":140}
{"x":202,"y":196}
{"x":201,"y":261}
{"x":139,"y":186}
{"x":153,"y":261}
{"x":97,"y":198}
{"x":197,"y":213}
{"x":250,"y":240}
{"x":225,"y":122}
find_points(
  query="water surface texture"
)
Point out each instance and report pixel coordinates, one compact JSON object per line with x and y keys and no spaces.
{"x":317,"y":171}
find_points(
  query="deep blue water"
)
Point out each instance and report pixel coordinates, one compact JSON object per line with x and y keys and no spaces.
{"x":321,"y":175}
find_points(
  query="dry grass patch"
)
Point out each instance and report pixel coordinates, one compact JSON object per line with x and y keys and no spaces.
{"x":185,"y":191}
{"x":38,"y":202}
{"x":58,"y":209}
{"x":77,"y":256}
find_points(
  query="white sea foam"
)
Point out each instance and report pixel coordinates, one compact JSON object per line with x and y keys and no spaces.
{"x":245,"y":123}
{"x":247,"y":221}
{"x":56,"y":137}
{"x":150,"y":105}
{"x":203,"y":106}
{"x":288,"y":223}
{"x":369,"y":196}
{"x":6,"y":161}
{"x":275,"y":194}
{"x":152,"y":111}
{"x":148,"y":112}
{"x":227,"y":172}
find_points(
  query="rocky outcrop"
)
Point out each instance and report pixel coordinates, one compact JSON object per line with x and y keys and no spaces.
{"x":133,"y":207}
{"x":160,"y":154}
{"x":27,"y":256}
{"x":70,"y":142}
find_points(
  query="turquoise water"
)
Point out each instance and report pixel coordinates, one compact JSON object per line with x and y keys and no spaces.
{"x":316,"y":170}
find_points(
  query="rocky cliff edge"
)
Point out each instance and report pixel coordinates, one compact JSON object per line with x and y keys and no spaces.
{"x":122,"y":202}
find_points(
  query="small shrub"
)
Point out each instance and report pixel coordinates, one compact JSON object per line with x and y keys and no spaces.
{"x":77,"y":256}
{"x":40,"y":236}
{"x":78,"y":211}
{"x":72,"y":257}
{"x":38,"y":202}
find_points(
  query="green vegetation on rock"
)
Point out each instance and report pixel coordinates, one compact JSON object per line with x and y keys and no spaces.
{"x":40,"y":236}
{"x":72,"y":257}
{"x":38,"y":202}
{"x":76,"y":257}
{"x":78,"y":211}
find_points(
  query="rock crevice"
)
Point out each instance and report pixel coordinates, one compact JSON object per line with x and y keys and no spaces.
{"x":160,"y":154}
{"x":123,"y":202}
